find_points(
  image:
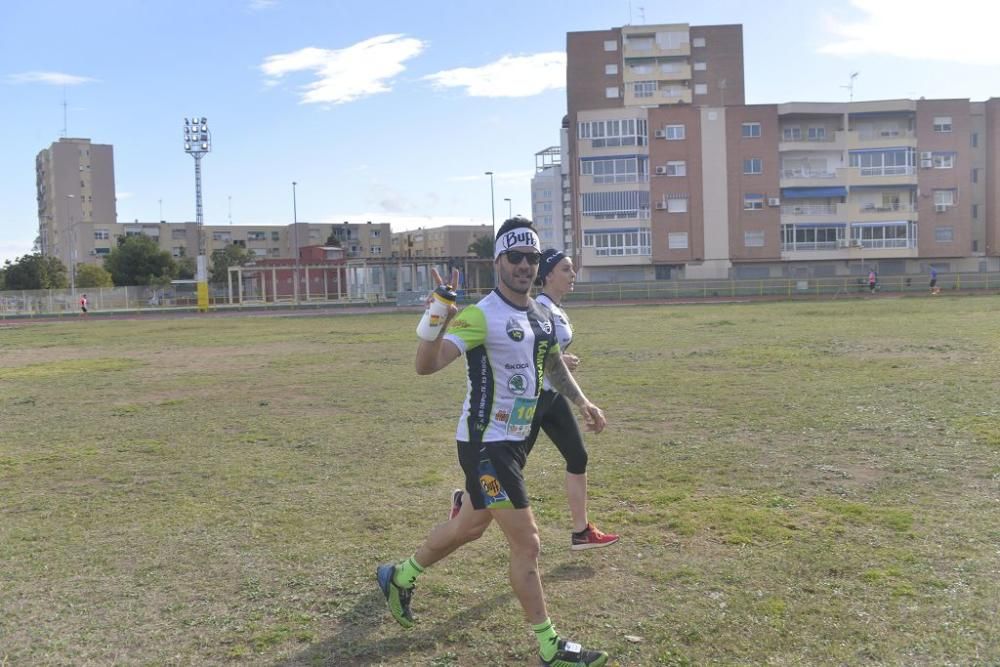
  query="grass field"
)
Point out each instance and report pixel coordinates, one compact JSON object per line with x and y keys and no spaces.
{"x":796,"y":483}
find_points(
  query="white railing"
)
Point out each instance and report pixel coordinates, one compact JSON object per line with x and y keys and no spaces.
{"x":887,"y":243}
{"x":826,"y":138}
{"x":887,"y":208}
{"x":879,"y":135}
{"x":809,"y":209}
{"x":809,"y":245}
{"x":807,"y":173}
{"x":895,"y":170}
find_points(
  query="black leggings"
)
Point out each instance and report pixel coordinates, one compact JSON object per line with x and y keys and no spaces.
{"x":554,"y":415}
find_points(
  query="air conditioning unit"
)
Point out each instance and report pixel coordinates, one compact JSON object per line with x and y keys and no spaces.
{"x":660,"y":171}
{"x":660,"y":134}
{"x":926,"y":155}
{"x":661,"y":206}
{"x":926,"y":164}
{"x":843,"y":243}
{"x":773,"y":201}
{"x":941,"y":208}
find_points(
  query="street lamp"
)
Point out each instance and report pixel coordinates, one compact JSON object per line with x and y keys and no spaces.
{"x":197,"y":144}
{"x":493,"y":208}
{"x":295,"y":233}
{"x":510,"y":213}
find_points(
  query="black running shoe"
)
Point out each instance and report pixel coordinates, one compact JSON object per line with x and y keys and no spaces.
{"x":571,"y":654}
{"x":396,"y":597}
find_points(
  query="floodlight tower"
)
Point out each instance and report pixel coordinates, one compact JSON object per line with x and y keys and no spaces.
{"x":197,"y":143}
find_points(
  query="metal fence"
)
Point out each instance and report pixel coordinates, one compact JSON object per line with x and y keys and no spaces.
{"x":37,"y":303}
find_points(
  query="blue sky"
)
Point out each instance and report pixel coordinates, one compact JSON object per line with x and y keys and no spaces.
{"x":379,"y":111}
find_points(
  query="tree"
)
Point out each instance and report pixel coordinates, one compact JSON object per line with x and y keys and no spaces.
{"x":482,"y":247}
{"x":333,"y":241}
{"x":231,"y":255}
{"x":35,"y":271}
{"x":138,"y":260}
{"x":187,"y":268}
{"x":91,"y":275}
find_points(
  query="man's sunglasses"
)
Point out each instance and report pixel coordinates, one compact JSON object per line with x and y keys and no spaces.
{"x":516,"y":257}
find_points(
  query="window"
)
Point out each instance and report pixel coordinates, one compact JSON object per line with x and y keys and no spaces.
{"x":625,"y":132}
{"x":700,"y":66}
{"x":376,"y":250}
{"x":641,"y":69}
{"x":177,"y":251}
{"x":753,"y":202}
{"x":944,"y":198}
{"x":808,"y":237}
{"x":887,"y":235}
{"x":632,"y":169}
{"x":611,"y":70}
{"x":975,"y":175}
{"x":102,"y":251}
{"x":677,"y":168}
{"x":644,"y":88}
{"x":256,"y":236}
{"x":701,"y":89}
{"x":889,"y":162}
{"x":942,"y":123}
{"x":618,"y":242}
{"x":753,"y":165}
{"x":611,"y":45}
{"x":751,"y":130}
{"x":791,"y":133}
{"x":975,"y":210}
{"x":817,"y":134}
{"x":640,"y":43}
{"x":674,"y":132}
{"x":974,"y":140}
{"x":944,"y":234}
{"x":102,"y":234}
{"x":677,"y":240}
{"x":944,"y":160}
{"x":677,"y":205}
{"x":611,"y":92}
{"x":753,"y":239}
{"x":616,"y":205}
{"x":698,"y":42}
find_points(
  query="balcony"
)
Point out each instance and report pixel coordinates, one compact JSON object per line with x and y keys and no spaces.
{"x":884,"y":175}
{"x":661,"y":72}
{"x":817,"y":213}
{"x":884,"y":213}
{"x":829,"y":142}
{"x":881,"y":138}
{"x":791,"y":178}
{"x":642,"y":43}
{"x":668,"y":95}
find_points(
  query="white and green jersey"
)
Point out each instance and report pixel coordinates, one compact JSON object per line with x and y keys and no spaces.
{"x":564,"y":331}
{"x":505,"y":347}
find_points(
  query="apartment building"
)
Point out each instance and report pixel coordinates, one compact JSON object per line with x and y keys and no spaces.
{"x":75,"y":190}
{"x":443,"y":241}
{"x":678,"y":177}
{"x":547,"y":198}
{"x":616,"y":79}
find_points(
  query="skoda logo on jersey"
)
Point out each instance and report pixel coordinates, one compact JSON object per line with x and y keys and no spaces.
{"x":518,"y":384}
{"x":514,"y":330}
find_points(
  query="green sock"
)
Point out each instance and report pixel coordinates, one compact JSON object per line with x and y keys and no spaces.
{"x":548,"y":639}
{"x":407,"y":573}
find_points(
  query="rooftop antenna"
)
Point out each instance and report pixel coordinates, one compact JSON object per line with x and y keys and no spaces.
{"x":64,"y":106}
{"x":642,"y":15}
{"x":630,"y":12}
{"x":850,"y":86}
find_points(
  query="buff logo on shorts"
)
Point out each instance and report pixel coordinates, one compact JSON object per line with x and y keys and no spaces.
{"x":493,"y":492}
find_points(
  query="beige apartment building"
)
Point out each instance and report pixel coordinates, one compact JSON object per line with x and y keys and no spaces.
{"x":75,"y":190}
{"x":443,"y":241}
{"x":674,"y":176}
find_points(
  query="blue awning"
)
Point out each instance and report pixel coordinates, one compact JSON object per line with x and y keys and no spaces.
{"x":809,"y":193}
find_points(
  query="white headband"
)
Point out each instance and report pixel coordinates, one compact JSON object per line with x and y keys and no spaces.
{"x":516,"y":238}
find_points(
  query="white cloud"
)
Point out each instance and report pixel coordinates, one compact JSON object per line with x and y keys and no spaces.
{"x":50,"y":78}
{"x":345,"y":75}
{"x":124,"y":195}
{"x":511,"y":76}
{"x":962,"y":31}
{"x":13,"y":249}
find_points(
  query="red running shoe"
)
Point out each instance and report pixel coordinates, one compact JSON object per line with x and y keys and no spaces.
{"x":456,"y":503}
{"x":591,"y":538}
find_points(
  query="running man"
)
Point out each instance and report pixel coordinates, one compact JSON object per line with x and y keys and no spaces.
{"x":509,"y":343}
{"x":83,"y":305}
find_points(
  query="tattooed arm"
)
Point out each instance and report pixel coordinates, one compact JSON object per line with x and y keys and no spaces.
{"x":562,"y":380}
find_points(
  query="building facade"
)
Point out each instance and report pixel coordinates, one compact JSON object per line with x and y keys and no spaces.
{"x":674,"y":176}
{"x":443,"y":241}
{"x":547,"y":198}
{"x":75,"y":190}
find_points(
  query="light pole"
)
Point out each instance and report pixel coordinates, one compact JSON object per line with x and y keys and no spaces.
{"x":295,"y":233}
{"x":493,"y":208}
{"x":510,"y":213}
